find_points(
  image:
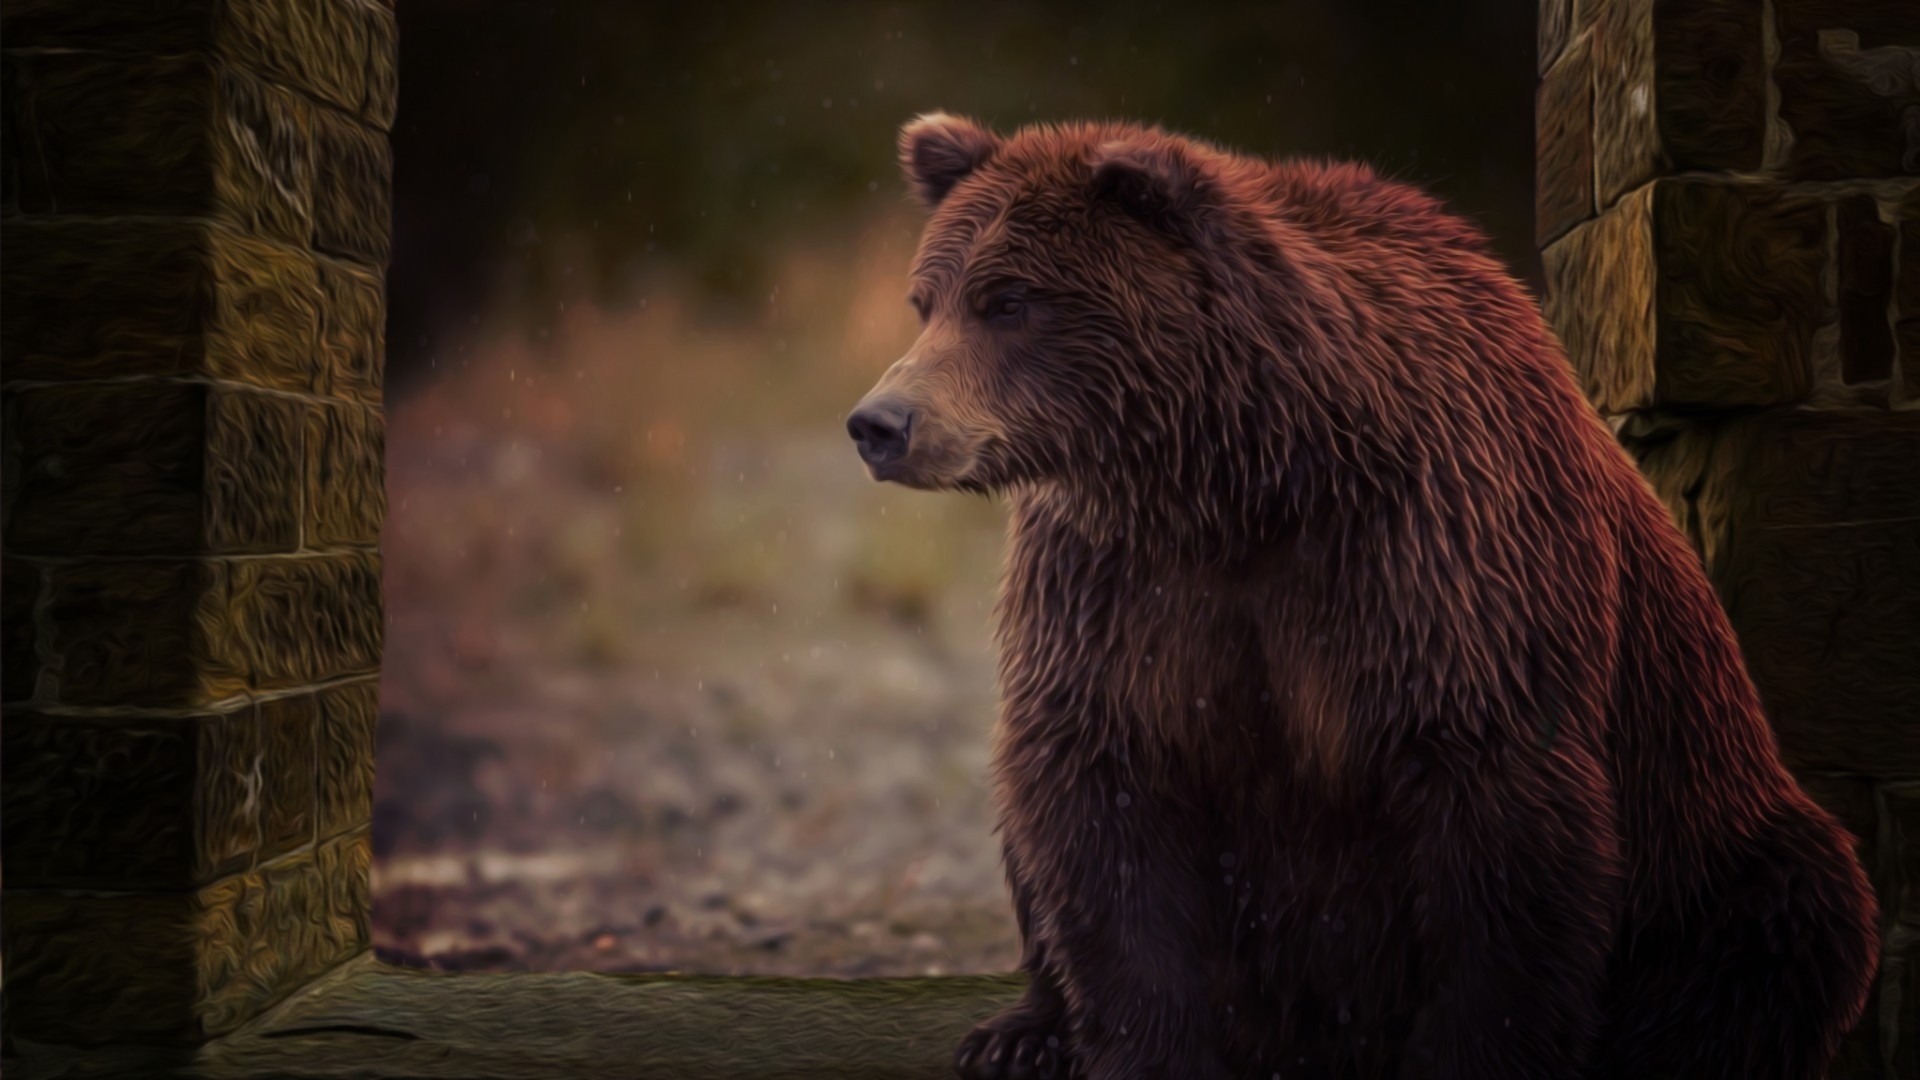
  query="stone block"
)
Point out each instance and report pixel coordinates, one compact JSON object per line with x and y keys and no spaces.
{"x":353,"y":325}
{"x":287,"y":802}
{"x":140,"y":468}
{"x":1851,"y":800}
{"x":1906,"y":296}
{"x":1600,"y":300}
{"x":1906,"y":340}
{"x":345,"y":475}
{"x":1692,"y":294}
{"x":1563,"y":161}
{"x":348,"y":716}
{"x":19,"y":659}
{"x":1898,"y":872}
{"x":341,"y":52}
{"x":1865,"y":264}
{"x":149,"y":803}
{"x":182,"y":135}
{"x":1848,"y":75}
{"x":305,"y":619}
{"x":100,"y":299}
{"x":1555,"y":21}
{"x":1817,"y":516}
{"x":1899,"y":1013}
{"x":352,"y":191}
{"x":142,"y":634}
{"x":181,"y":966}
{"x":1677,"y":87}
{"x":1808,"y":522}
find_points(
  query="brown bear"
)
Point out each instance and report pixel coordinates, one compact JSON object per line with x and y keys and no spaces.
{"x":1363,"y":713}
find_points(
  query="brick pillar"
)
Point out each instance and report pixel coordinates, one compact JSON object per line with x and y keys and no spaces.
{"x":195,"y":230}
{"x":1729,"y":212}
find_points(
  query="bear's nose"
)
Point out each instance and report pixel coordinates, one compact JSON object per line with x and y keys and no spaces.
{"x":881,"y":430}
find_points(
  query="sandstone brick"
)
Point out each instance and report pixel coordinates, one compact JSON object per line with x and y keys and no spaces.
{"x":1866,"y":290}
{"x":1906,"y":296}
{"x":1739,"y":295}
{"x":1898,"y":873}
{"x":1677,"y":87}
{"x":353,"y":191}
{"x":1851,"y":800}
{"x":143,"y":634}
{"x":348,"y":717}
{"x":95,"y":299}
{"x":1808,"y":522}
{"x":353,"y":321}
{"x":176,"y":135}
{"x":306,"y":619}
{"x":1691,"y":293}
{"x":1555,"y":20}
{"x":287,"y":804}
{"x":1847,"y":87}
{"x":1600,"y":292}
{"x":339,"y":51}
{"x":345,"y":475}
{"x":1825,"y":617}
{"x":1563,"y":163}
{"x":155,"y":468}
{"x":1906,"y":338}
{"x":180,"y":966}
{"x":133,"y":804}
{"x":19,"y":663}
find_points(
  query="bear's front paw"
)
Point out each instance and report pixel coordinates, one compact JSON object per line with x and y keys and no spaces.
{"x":1022,"y":1043}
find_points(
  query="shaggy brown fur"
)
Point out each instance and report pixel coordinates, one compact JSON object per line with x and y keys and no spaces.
{"x":1363,"y":713}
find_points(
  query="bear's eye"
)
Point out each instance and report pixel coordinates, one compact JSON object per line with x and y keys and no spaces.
{"x":1004,"y":307}
{"x":920,"y":307}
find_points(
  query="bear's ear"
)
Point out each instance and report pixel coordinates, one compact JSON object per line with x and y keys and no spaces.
{"x":1152,"y":178}
{"x":938,"y":151}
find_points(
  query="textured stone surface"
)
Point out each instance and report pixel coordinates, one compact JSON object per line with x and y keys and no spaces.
{"x":1739,"y":295}
{"x":1850,"y":799}
{"x":372,"y":1020}
{"x":183,"y":965}
{"x":348,"y":715}
{"x":1563,"y":125}
{"x":183,"y":135}
{"x":155,"y":468}
{"x":95,"y":299}
{"x":340,"y":51}
{"x":19,"y":666}
{"x":143,"y":634}
{"x":1553,"y":24}
{"x":1677,"y":87}
{"x":1691,"y":293}
{"x":133,"y":803}
{"x":1600,"y":292}
{"x":345,"y":475}
{"x":1899,"y":867}
{"x":352,"y":193}
{"x":1809,"y":522}
{"x":1849,"y":82}
{"x":303,"y":619}
{"x":353,"y":324}
{"x":288,"y":734}
{"x":1865,"y":264}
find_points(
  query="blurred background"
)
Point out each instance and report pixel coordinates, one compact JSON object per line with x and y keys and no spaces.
{"x":670,"y":685}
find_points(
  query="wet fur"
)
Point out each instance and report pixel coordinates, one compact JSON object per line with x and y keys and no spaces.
{"x":1363,"y":714}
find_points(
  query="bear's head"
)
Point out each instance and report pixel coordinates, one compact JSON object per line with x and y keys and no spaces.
{"x":1090,"y":323}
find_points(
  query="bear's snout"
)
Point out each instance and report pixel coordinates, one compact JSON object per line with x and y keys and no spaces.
{"x":882,"y":430}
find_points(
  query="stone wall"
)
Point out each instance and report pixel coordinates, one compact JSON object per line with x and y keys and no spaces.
{"x":195,"y":227}
{"x":1729,"y":213}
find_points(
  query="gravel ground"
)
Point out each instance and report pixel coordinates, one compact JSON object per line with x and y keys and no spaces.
{"x":751,"y":743}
